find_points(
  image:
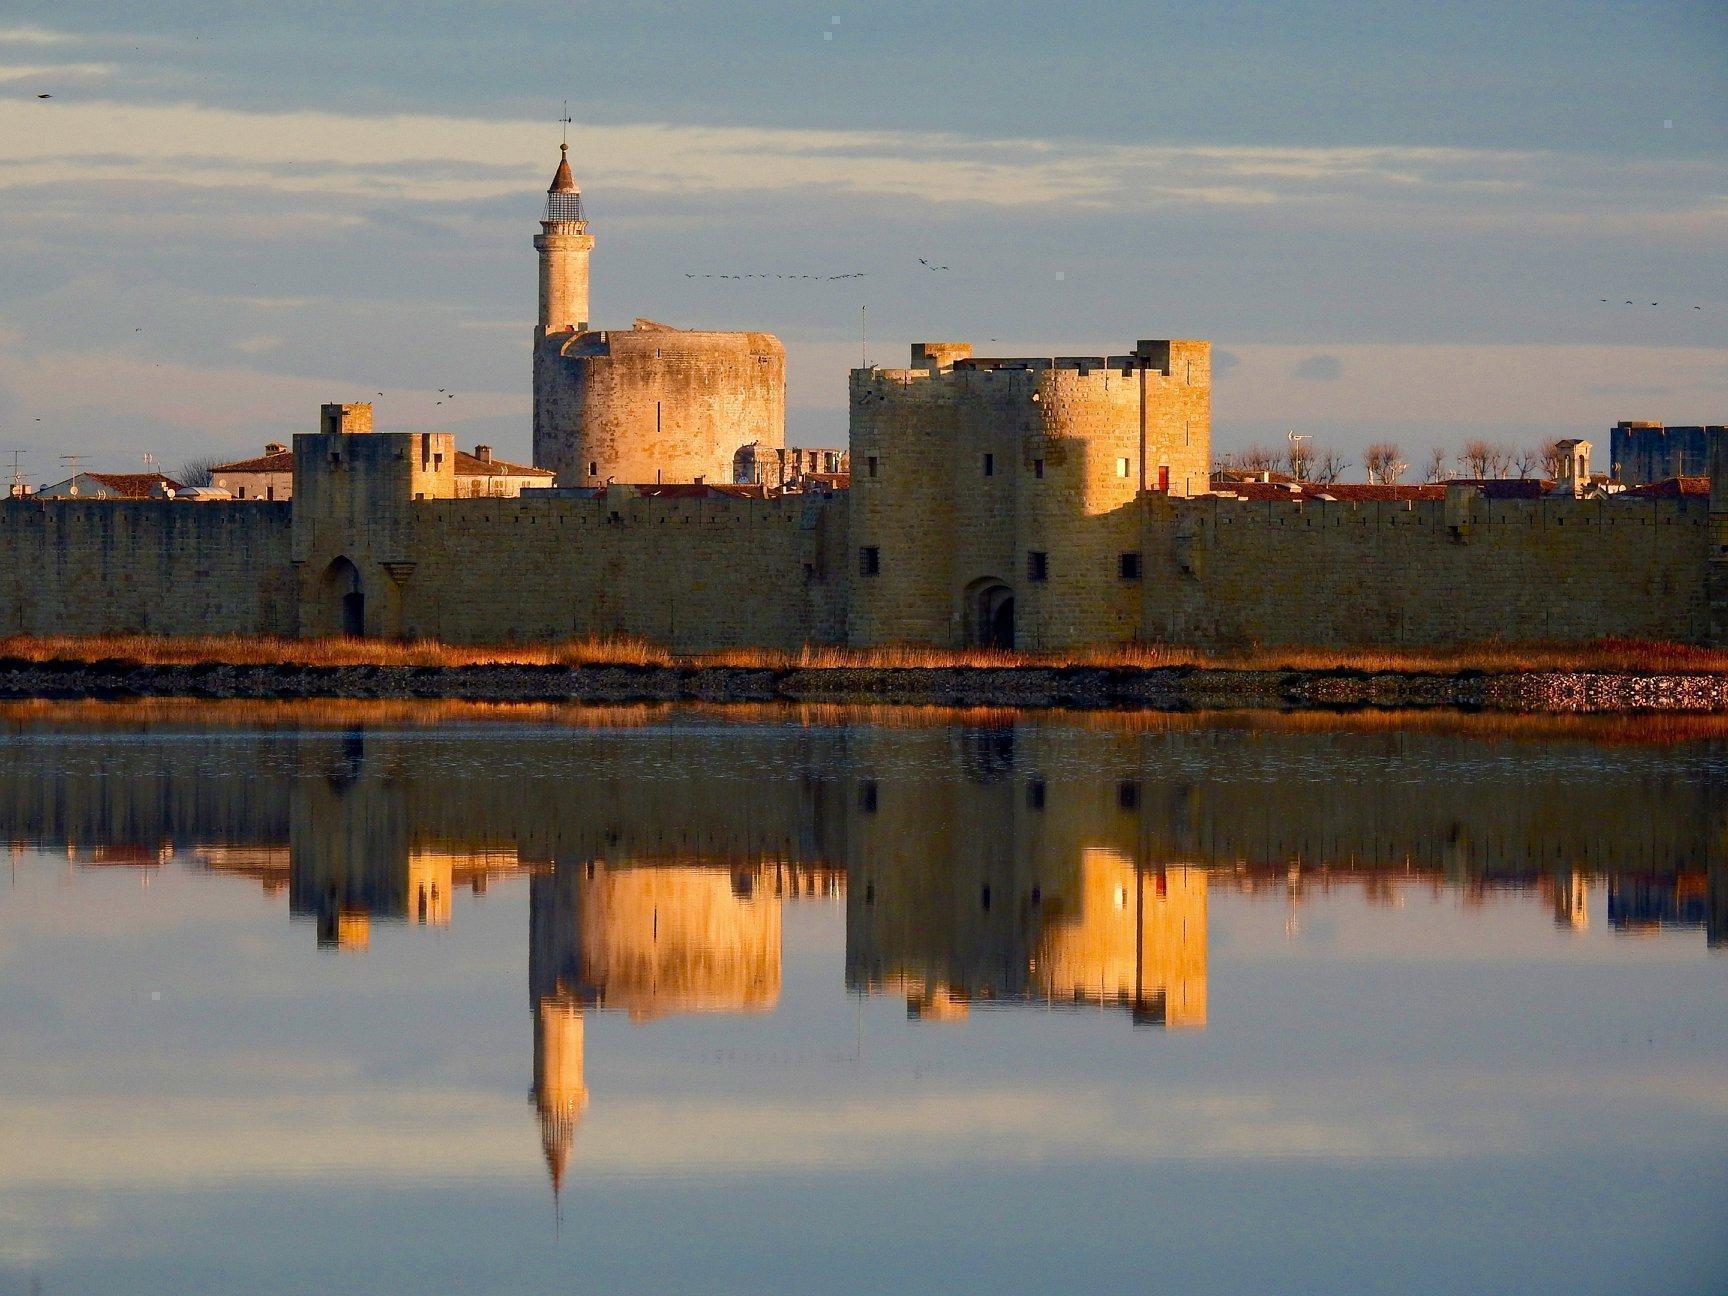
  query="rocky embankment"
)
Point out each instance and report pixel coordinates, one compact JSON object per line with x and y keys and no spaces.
{"x":1169,"y":688}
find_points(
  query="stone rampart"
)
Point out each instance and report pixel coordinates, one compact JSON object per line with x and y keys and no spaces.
{"x":1226,"y":572}
{"x":145,"y":567}
{"x":689,"y":574}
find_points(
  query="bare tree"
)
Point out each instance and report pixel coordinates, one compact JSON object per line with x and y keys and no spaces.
{"x":197,"y":472}
{"x":1383,"y":462}
{"x":1499,"y":461}
{"x":1525,"y":461}
{"x":1436,"y":469}
{"x":1478,"y":458}
{"x":1257,"y":458}
{"x":1329,"y":467}
{"x":1553,"y":460}
{"x":1300,"y":460}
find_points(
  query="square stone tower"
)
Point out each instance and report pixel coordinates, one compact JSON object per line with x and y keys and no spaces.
{"x":355,"y":492}
{"x":993,"y":501}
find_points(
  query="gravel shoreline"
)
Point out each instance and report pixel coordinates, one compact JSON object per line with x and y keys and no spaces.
{"x":1165,"y":688}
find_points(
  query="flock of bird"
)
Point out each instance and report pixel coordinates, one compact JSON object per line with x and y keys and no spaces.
{"x":1630,"y":302}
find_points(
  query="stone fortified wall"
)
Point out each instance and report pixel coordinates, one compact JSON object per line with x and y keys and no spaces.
{"x":145,"y":567}
{"x":690,"y":574}
{"x":986,"y":511}
{"x":1225,"y":572}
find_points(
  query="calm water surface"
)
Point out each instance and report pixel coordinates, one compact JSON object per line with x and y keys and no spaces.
{"x":423,"y":998}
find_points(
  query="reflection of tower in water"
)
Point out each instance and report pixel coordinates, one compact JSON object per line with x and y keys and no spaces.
{"x":1014,"y":883}
{"x":351,"y":855}
{"x":650,"y":940}
{"x":559,"y":1093}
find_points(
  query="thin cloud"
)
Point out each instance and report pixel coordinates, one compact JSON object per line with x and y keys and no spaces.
{"x":453,"y":159}
{"x":35,"y":36}
{"x":1319,"y":368}
{"x":49,"y":72}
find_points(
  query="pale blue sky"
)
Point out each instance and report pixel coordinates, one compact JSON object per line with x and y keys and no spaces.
{"x":228,"y":213}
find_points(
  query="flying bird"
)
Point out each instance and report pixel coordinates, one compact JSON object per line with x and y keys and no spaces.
{"x":44,"y":96}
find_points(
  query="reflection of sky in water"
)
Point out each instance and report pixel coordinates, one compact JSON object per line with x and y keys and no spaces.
{"x":1451,"y":1074}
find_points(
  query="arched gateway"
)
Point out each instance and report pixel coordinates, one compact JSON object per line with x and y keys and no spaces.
{"x":344,"y":600}
{"x":989,"y":614}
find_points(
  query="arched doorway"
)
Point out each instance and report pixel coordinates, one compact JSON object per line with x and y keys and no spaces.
{"x":989,"y":614}
{"x":344,"y":599}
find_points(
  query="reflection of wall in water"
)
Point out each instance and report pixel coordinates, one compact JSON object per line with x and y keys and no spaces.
{"x":1219,"y":795}
{"x":988,"y":884}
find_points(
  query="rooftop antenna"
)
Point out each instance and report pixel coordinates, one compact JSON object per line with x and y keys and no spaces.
{"x":17,"y":472}
{"x":149,"y":460}
{"x":863,"y":340}
{"x":73,"y":463}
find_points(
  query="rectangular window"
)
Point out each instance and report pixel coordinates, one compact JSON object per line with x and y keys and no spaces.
{"x":872,"y":466}
{"x":867,"y":796}
{"x":269,"y":492}
{"x":1037,"y":565}
{"x":241,"y":493}
{"x":1038,"y":468}
{"x":1122,"y":467}
{"x":593,"y":468}
{"x":869,"y":561}
{"x":1035,"y":794}
{"x":1128,"y":796}
{"x":989,"y":465}
{"x":1128,"y":566}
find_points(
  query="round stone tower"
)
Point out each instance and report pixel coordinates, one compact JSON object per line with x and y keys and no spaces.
{"x":563,"y":244}
{"x":648,"y":404}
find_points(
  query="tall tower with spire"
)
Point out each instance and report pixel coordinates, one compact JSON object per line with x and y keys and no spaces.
{"x":563,"y":244}
{"x":646,"y":404}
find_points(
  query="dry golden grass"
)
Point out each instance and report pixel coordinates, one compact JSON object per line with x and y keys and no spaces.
{"x":1612,"y":655}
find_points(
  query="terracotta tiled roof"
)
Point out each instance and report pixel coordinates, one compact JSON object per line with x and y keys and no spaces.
{"x":1670,"y":488}
{"x":468,"y":465}
{"x":133,"y":485}
{"x":283,"y":462}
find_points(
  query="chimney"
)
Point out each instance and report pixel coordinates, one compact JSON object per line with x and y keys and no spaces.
{"x":274,"y":448}
{"x":483,"y":453}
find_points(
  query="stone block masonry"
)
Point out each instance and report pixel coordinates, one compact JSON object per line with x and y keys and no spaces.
{"x":1225,"y":573}
{"x":145,"y":567}
{"x":690,"y":574}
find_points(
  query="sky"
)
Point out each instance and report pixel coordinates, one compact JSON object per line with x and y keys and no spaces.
{"x":1391,"y":221}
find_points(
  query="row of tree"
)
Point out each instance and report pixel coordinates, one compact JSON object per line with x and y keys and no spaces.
{"x":1384,"y":462}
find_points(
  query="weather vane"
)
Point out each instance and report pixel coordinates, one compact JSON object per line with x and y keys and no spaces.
{"x":566,"y":120}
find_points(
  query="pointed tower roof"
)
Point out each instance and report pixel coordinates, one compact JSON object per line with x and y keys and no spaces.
{"x":562,"y":180}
